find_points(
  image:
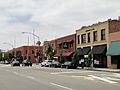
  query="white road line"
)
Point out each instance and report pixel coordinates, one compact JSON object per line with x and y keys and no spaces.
{"x":30,"y":77}
{"x":70,"y":72}
{"x":102,"y":79}
{"x":61,"y":86}
{"x":16,"y":73}
{"x":85,"y":77}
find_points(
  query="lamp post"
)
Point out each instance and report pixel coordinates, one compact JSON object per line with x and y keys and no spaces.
{"x":38,"y":42}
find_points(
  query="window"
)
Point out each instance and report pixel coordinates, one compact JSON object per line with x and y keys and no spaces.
{"x":26,"y":51}
{"x":88,"y":37}
{"x":52,"y":45}
{"x":65,"y":45}
{"x":95,"y":36}
{"x":83,"y":38}
{"x":33,"y":52}
{"x":60,"y":46}
{"x":103,"y":34}
{"x":78,"y":38}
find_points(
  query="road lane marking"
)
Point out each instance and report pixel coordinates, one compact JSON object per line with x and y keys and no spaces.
{"x":61,"y":86}
{"x":102,"y":79}
{"x":30,"y":77}
{"x":70,"y":72}
{"x":84,"y":77}
{"x":16,"y":73}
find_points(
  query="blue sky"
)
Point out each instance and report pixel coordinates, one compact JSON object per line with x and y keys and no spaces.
{"x":50,"y":18}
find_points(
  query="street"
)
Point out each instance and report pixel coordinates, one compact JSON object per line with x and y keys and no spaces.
{"x":45,"y":78}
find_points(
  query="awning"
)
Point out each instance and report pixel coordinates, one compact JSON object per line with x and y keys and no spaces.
{"x":100,"y":49}
{"x":83,"y":51}
{"x":114,"y":49}
{"x":65,"y":54}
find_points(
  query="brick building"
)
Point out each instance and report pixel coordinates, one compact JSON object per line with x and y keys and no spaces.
{"x":114,"y":47}
{"x":65,"y":45}
{"x":52,"y":43}
{"x":97,"y":38}
{"x":32,"y":51}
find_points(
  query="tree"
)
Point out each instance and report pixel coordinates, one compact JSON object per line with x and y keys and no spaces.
{"x":89,"y":60}
{"x":49,"y":53}
{"x":61,"y":59}
{"x":38,"y":43}
{"x":75,"y":58}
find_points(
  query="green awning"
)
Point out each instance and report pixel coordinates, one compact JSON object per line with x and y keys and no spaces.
{"x":114,"y":49}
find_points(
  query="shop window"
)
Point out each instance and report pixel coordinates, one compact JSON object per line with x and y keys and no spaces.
{"x":114,"y":61}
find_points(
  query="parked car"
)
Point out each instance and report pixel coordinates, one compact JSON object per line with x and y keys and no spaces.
{"x":27,"y":63}
{"x":46,"y":63}
{"x":68,"y":65}
{"x":15,"y":63}
{"x":55,"y":64}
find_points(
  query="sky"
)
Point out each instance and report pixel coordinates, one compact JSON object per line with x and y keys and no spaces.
{"x":49,"y":19}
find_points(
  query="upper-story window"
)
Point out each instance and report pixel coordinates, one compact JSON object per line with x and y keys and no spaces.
{"x":78,"y":39}
{"x":95,"y":37}
{"x":88,"y":37}
{"x":33,"y":52}
{"x":83,"y":38}
{"x":103,"y":34}
{"x":65,"y":45}
{"x":60,"y":46}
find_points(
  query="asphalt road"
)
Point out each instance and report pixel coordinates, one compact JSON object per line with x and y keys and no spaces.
{"x":43,"y":78}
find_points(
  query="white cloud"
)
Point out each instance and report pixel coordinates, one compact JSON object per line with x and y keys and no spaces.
{"x":51,"y":18}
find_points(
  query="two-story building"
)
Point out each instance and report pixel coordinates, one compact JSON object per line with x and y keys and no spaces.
{"x":66,"y":46}
{"x":95,"y":38}
{"x":30,"y":51}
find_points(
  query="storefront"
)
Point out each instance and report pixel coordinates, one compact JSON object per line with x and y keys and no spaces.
{"x":114,"y":52}
{"x":99,"y":56}
{"x":82,"y":52}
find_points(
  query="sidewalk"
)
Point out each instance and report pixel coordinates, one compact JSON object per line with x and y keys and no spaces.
{"x":103,"y":69}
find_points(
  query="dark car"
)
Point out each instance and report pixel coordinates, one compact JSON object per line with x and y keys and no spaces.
{"x":15,"y":63}
{"x":69,"y":65}
{"x":27,"y":63}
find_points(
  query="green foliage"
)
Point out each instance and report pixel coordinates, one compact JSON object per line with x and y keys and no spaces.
{"x":19,"y":57}
{"x":49,"y":53}
{"x":61,"y":59}
{"x":75,"y":58}
{"x":38,"y":43}
{"x":89,"y":60}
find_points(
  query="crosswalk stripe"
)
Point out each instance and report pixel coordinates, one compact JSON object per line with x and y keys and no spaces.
{"x":102,"y":79}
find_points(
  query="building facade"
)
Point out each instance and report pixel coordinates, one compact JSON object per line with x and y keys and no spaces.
{"x":113,"y":52}
{"x":66,"y":46}
{"x":52,"y":43}
{"x":31,"y":51}
{"x":96,"y":38}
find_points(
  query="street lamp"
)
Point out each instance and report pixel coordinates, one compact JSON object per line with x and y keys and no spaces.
{"x":32,"y":34}
{"x":38,"y":42}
